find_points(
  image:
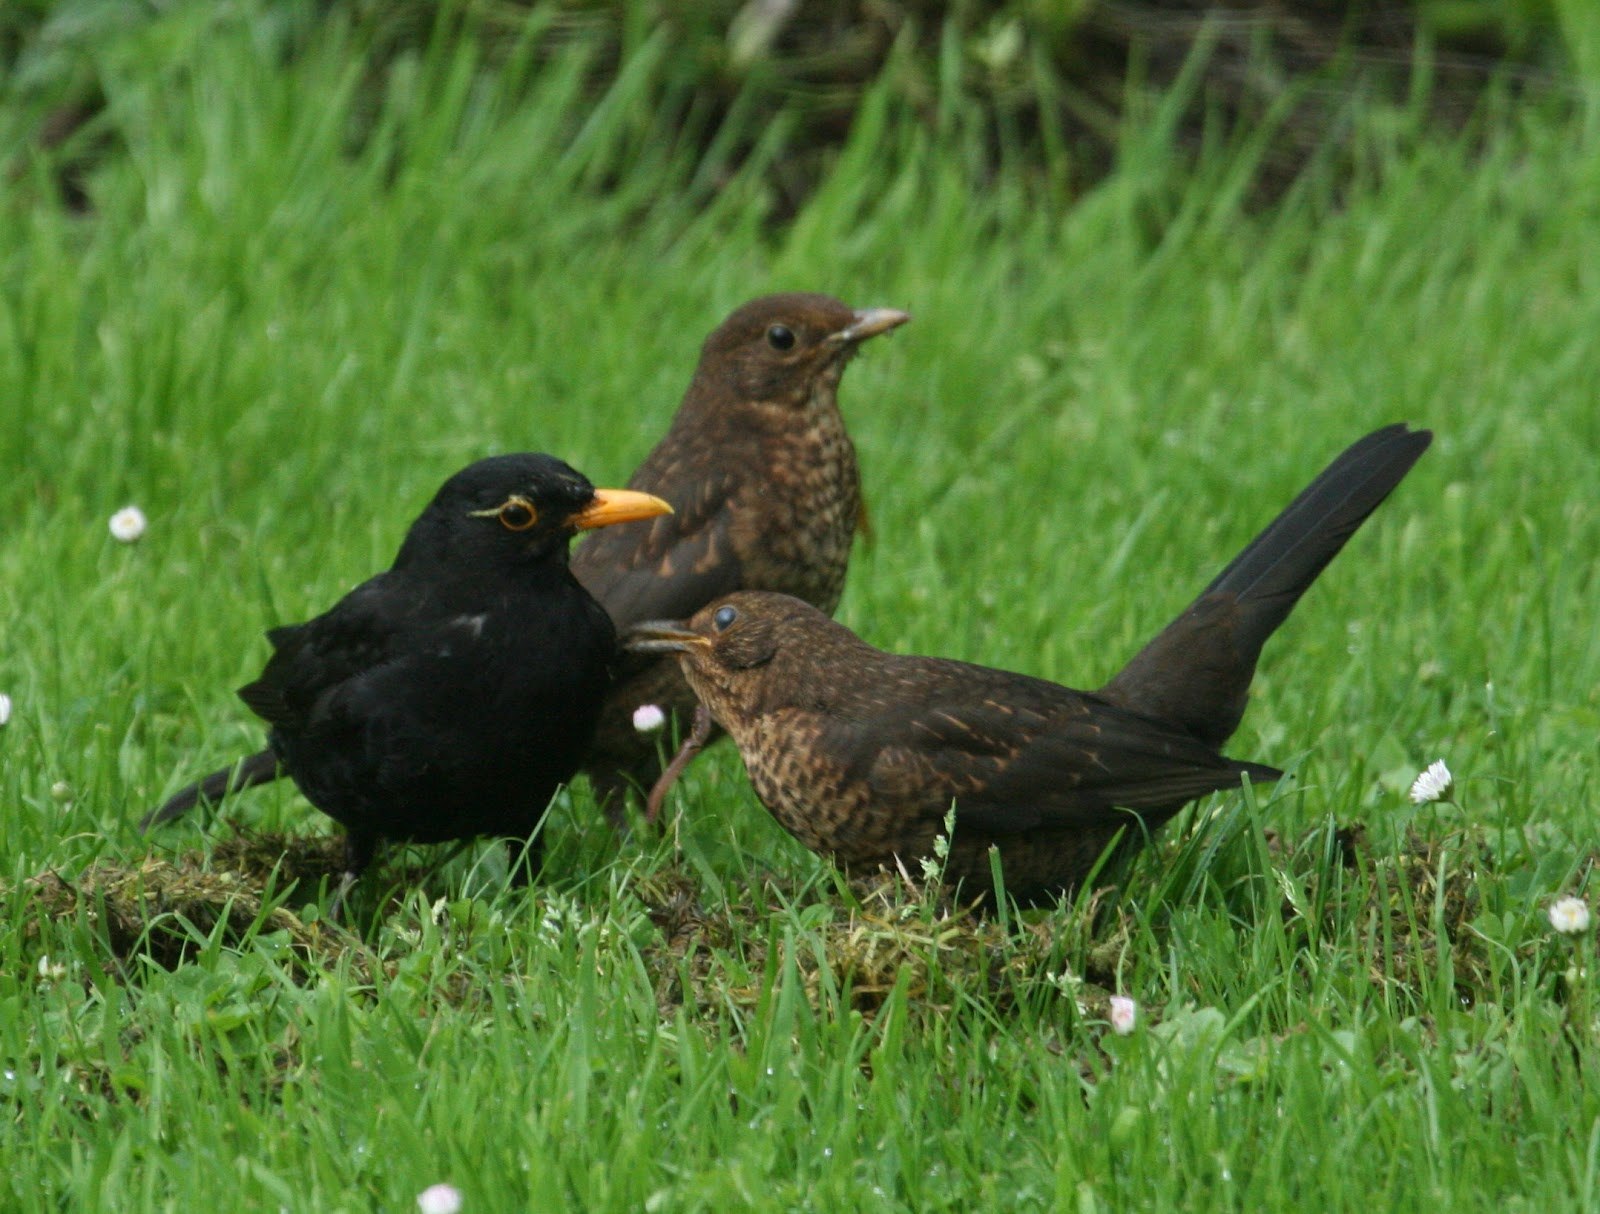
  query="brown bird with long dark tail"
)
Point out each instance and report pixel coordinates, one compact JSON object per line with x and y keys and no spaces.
{"x":448,"y":697}
{"x":860,"y":754}
{"x":765,"y":492}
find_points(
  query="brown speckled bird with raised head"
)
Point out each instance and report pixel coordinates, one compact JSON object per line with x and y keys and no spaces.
{"x":762,"y":479}
{"x":860,"y":754}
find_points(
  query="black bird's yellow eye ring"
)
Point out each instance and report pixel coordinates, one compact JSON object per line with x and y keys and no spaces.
{"x":516,"y":513}
{"x":780,"y":337}
{"x":724,"y":618}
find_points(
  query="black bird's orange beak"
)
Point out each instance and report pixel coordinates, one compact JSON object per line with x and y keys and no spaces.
{"x":663,"y":636}
{"x":618,"y":506}
{"x":869,"y":322}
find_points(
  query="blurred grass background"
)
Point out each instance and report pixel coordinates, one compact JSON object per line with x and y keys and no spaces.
{"x":1051,"y":85}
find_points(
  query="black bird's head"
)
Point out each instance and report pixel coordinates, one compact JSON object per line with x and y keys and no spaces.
{"x":517,"y":509}
{"x":785,"y":349}
{"x":753,"y":650}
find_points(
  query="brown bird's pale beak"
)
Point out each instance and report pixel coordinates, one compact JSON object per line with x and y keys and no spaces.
{"x":869,"y":322}
{"x":663,"y":636}
{"x":618,"y":506}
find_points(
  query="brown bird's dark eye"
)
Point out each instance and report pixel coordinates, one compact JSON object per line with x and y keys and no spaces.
{"x":724,"y":617}
{"x":518,"y":515}
{"x":780,"y":337}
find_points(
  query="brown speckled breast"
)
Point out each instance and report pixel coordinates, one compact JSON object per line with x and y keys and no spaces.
{"x":791,"y":531}
{"x":795,"y":537}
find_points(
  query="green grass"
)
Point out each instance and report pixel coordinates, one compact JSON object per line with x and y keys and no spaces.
{"x":278,"y":342}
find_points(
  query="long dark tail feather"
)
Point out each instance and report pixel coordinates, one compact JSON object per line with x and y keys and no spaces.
{"x":1279,"y":565}
{"x":259,"y":768}
{"x":1197,"y":670}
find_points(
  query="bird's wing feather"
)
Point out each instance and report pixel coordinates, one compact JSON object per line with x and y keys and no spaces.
{"x":672,"y":567}
{"x":312,"y":660}
{"x":1020,"y":761}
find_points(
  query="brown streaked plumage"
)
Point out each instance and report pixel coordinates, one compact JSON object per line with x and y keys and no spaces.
{"x":765,"y":491}
{"x":860,"y":754}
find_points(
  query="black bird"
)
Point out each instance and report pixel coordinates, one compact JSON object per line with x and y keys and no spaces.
{"x":860,"y":754}
{"x":762,"y":479}
{"x":448,"y":697}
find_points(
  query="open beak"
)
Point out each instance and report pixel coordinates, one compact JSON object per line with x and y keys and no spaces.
{"x":618,"y":506}
{"x":869,"y":322}
{"x":662,"y":636}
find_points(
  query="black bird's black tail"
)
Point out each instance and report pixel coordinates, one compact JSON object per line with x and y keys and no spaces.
{"x":1197,"y":670}
{"x":259,"y":768}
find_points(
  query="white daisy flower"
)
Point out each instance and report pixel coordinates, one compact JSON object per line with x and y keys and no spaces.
{"x":5,"y":708}
{"x":128,"y":524}
{"x":1569,"y":915}
{"x":647,"y":718}
{"x":439,"y":1199}
{"x":1435,"y":784}
{"x":1124,"y":1015}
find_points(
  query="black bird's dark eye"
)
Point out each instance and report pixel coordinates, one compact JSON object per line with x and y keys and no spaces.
{"x":517,"y":514}
{"x":780,"y":337}
{"x":724,"y":617}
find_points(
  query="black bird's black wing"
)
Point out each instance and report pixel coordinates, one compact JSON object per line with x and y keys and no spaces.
{"x":309,"y":663}
{"x":360,"y":633}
